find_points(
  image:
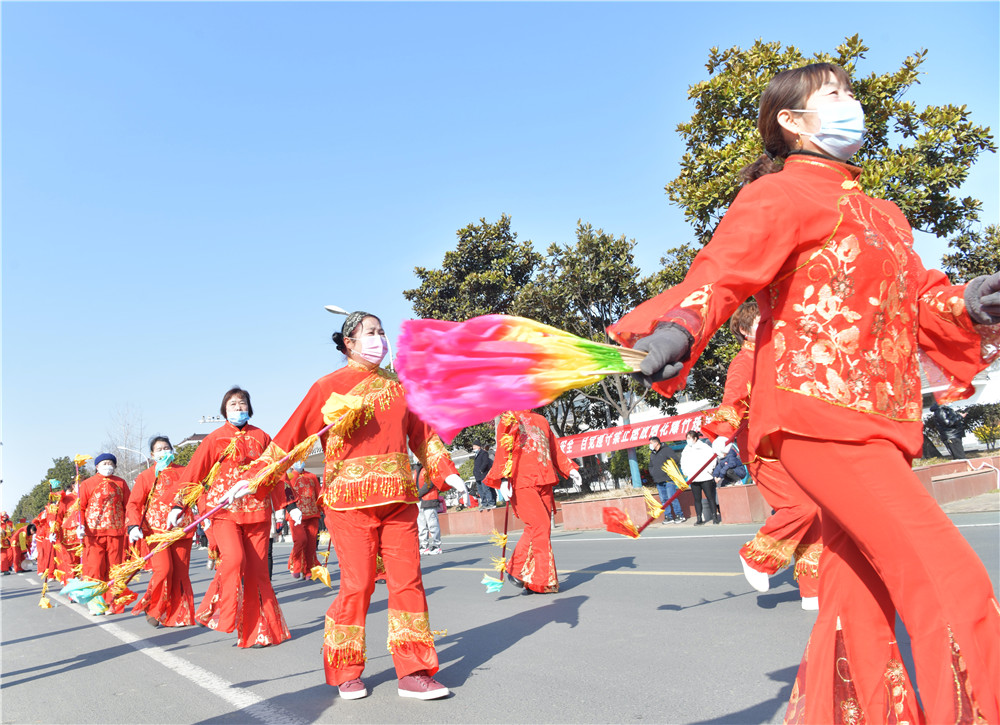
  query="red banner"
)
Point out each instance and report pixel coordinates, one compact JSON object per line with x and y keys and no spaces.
{"x":631,"y":436}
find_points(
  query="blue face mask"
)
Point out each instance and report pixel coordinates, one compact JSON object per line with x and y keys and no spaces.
{"x":841,"y":128}
{"x":238,"y":419}
{"x":300,"y":467}
{"x":165,"y":460}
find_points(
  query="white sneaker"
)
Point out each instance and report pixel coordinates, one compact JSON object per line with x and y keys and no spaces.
{"x":757,"y":579}
{"x":424,"y":552}
{"x":810,"y":604}
{"x":435,"y":551}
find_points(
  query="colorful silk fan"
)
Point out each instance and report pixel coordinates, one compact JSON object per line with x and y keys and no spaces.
{"x":457,"y":374}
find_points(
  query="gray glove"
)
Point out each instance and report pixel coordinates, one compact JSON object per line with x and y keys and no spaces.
{"x":667,"y":348}
{"x":982,"y":299}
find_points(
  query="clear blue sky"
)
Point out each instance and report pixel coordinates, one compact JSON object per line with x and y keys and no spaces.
{"x":185,"y":185}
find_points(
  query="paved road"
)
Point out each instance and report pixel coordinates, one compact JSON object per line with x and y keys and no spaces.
{"x":662,"y":629}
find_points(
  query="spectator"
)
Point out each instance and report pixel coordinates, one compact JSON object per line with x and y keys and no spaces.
{"x":481,"y":467}
{"x":428,"y":528}
{"x":659,"y":454}
{"x":696,"y":458}
{"x":730,"y":468}
{"x":950,"y":427}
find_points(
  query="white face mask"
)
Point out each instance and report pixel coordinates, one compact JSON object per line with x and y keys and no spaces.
{"x":106,"y":469}
{"x":373,"y":347}
{"x":841,"y":128}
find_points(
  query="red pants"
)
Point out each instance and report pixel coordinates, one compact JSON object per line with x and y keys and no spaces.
{"x":168,"y":596}
{"x":792,"y":531}
{"x":240,"y":596}
{"x":532,"y":561}
{"x":67,"y":560}
{"x":359,"y":535}
{"x":100,"y":553}
{"x":45,"y":561}
{"x":303,"y":556}
{"x":889,"y":548}
{"x":6,"y":558}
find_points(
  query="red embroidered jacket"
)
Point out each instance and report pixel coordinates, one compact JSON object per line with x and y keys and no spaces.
{"x":69,"y":518}
{"x":152,"y":498}
{"x":369,"y":464}
{"x":307,"y":491}
{"x":845,"y":303}
{"x":236,"y":450}
{"x":103,"y":500}
{"x":735,"y":406}
{"x":527,"y":453}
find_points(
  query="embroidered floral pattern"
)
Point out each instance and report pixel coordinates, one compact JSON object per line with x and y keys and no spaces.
{"x":106,"y":508}
{"x":817,"y":346}
{"x":769,"y":553}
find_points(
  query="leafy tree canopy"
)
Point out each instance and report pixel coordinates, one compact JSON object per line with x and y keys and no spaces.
{"x":481,"y":276}
{"x":63,"y":469}
{"x":914,"y":157}
{"x":975,"y":253}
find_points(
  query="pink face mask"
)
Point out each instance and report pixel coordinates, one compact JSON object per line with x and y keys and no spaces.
{"x":373,"y":347}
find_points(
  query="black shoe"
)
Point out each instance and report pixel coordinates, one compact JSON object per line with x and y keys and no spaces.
{"x":717,"y":519}
{"x":153,"y":621}
{"x":526,"y":591}
{"x":699,"y":522}
{"x":515,"y":581}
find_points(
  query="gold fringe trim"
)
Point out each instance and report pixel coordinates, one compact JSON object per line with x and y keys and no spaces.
{"x":498,"y":539}
{"x":408,"y":628}
{"x":653,"y":507}
{"x":344,"y":644}
{"x":769,"y":552}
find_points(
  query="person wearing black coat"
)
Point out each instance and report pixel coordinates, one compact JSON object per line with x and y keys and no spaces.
{"x":659,"y":454}
{"x":951,"y":427}
{"x":480,"y":468}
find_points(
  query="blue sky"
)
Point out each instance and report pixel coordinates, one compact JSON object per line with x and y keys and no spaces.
{"x":186,"y":185}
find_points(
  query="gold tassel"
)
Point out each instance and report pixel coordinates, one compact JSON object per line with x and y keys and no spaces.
{"x":671,"y":469}
{"x":499,"y":564}
{"x":44,"y":602}
{"x":499,"y":539}
{"x":320,"y":573}
{"x":653,"y":507}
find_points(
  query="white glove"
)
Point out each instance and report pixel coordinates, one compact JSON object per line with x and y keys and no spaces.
{"x":134,"y":534}
{"x":719,"y":446}
{"x":506,"y":489}
{"x":296,"y":516}
{"x":52,"y":537}
{"x":238,"y":491}
{"x":80,"y":532}
{"x":174,"y":517}
{"x":206,"y":524}
{"x":456,"y":482}
{"x":576,"y":478}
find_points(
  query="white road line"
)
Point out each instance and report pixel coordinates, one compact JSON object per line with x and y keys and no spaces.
{"x":242,"y":699}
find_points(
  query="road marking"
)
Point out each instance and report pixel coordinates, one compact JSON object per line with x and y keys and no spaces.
{"x":609,"y":571}
{"x":242,"y":699}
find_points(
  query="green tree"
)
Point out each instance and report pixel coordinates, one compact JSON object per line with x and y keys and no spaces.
{"x":915,"y":158}
{"x":583,"y":288}
{"x":976,"y":253}
{"x":482,"y":276}
{"x":63,"y":469}
{"x":482,"y":433}
{"x":183,"y":454}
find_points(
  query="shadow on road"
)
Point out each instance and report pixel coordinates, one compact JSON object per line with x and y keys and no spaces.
{"x":764,"y":711}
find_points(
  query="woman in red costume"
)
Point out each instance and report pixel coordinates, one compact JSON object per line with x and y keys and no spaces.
{"x":846,"y":307}
{"x":68,"y":546}
{"x":103,"y":498}
{"x":526,"y":469}
{"x":168,"y":600}
{"x":370,"y":500}
{"x":47,"y":530}
{"x":793,"y":530}
{"x":306,"y":489}
{"x":240,"y":596}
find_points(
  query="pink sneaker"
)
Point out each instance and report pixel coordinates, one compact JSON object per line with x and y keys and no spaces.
{"x":422,"y":686}
{"x":352,"y":690}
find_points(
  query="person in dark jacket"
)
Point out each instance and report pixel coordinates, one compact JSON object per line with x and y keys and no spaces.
{"x":951,"y":427}
{"x":480,"y":467}
{"x":730,"y":468}
{"x":659,"y":454}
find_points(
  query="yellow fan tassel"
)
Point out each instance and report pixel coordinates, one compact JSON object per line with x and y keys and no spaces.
{"x":320,"y":573}
{"x":499,"y":539}
{"x":671,"y":469}
{"x":44,"y":602}
{"x":653,"y":507}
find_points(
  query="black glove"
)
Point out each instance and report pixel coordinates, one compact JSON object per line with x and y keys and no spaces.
{"x":667,"y":348}
{"x":982,"y":299}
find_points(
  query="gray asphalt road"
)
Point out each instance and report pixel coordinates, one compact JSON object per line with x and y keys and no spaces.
{"x":663,"y":629}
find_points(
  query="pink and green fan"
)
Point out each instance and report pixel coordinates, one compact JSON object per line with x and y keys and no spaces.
{"x":457,"y":374}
